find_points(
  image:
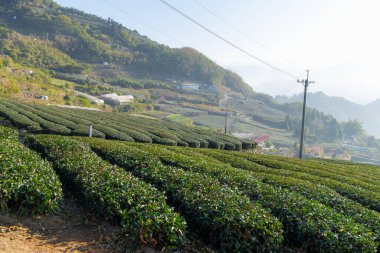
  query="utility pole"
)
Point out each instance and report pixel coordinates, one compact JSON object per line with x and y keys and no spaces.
{"x":306,"y":84}
{"x":226,"y":118}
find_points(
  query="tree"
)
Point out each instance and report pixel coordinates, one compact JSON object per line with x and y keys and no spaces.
{"x":352,"y":128}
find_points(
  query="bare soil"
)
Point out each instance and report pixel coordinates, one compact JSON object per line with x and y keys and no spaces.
{"x":75,"y":229}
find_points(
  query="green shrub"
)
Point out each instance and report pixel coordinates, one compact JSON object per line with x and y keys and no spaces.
{"x":82,"y":130}
{"x":213,"y":143}
{"x":203,"y":143}
{"x":192,"y":143}
{"x":8,"y":133}
{"x":49,"y":117}
{"x":303,"y":219}
{"x":182,"y":143}
{"x":247,"y":144}
{"x":118,"y":126}
{"x":164,"y":141}
{"x":229,"y":146}
{"x":112,"y":192}
{"x":369,"y":198}
{"x":137,"y":136}
{"x":18,"y":119}
{"x":113,"y":133}
{"x":49,"y":127}
{"x":219,"y":214}
{"x":28,"y":184}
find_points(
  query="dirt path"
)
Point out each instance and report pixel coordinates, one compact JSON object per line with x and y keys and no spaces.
{"x":74,"y":230}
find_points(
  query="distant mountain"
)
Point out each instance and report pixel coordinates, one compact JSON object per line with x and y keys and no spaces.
{"x":374,"y":106}
{"x":342,"y":109}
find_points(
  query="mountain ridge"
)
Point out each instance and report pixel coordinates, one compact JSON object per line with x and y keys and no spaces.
{"x":341,"y":108}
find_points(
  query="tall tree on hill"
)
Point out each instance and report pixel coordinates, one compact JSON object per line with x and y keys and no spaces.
{"x":352,"y":128}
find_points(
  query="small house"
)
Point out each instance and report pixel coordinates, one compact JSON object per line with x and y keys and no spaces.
{"x":46,"y":98}
{"x":98,"y":101}
{"x":188,"y":86}
{"x":114,"y":99}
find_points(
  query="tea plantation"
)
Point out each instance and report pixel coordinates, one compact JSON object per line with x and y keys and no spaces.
{"x":118,"y":126}
{"x":231,"y":200}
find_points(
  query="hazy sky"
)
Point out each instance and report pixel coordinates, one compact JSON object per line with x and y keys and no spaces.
{"x":338,"y":40}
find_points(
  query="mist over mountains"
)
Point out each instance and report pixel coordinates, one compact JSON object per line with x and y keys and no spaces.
{"x":342,"y":109}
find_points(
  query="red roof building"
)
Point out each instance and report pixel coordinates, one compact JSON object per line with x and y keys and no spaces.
{"x":261,"y":138}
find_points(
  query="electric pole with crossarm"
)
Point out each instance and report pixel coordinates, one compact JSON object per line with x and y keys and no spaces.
{"x":306,"y":84}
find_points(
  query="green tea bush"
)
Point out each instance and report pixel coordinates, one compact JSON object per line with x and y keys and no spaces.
{"x":49,"y":117}
{"x":247,"y":144}
{"x":213,"y":143}
{"x":113,"y":193}
{"x":164,"y":141}
{"x":28,"y":184}
{"x":18,"y":119}
{"x":117,"y":126}
{"x":192,"y":143}
{"x":82,"y":130}
{"x":113,"y":133}
{"x":8,"y":133}
{"x":364,"y":196}
{"x":49,"y":127}
{"x":317,"y":192}
{"x":219,"y":214}
{"x":303,"y":219}
{"x":137,"y":136}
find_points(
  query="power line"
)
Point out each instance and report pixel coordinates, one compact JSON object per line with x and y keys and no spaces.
{"x":227,"y":41}
{"x":243,"y":33}
{"x":143,"y":22}
{"x":288,"y":88}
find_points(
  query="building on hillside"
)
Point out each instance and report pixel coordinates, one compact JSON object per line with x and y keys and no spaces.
{"x":46,"y":98}
{"x":188,"y":86}
{"x":92,"y":99}
{"x":261,"y":140}
{"x":97,"y":101}
{"x":114,"y":99}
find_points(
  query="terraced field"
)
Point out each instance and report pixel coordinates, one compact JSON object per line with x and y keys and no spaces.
{"x":118,"y":126}
{"x":232,"y":201}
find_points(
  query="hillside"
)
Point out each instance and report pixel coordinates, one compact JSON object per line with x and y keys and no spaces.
{"x":87,"y":39}
{"x":342,"y":109}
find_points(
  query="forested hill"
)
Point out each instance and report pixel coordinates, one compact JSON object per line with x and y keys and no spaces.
{"x":342,"y":109}
{"x":89,"y":40}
